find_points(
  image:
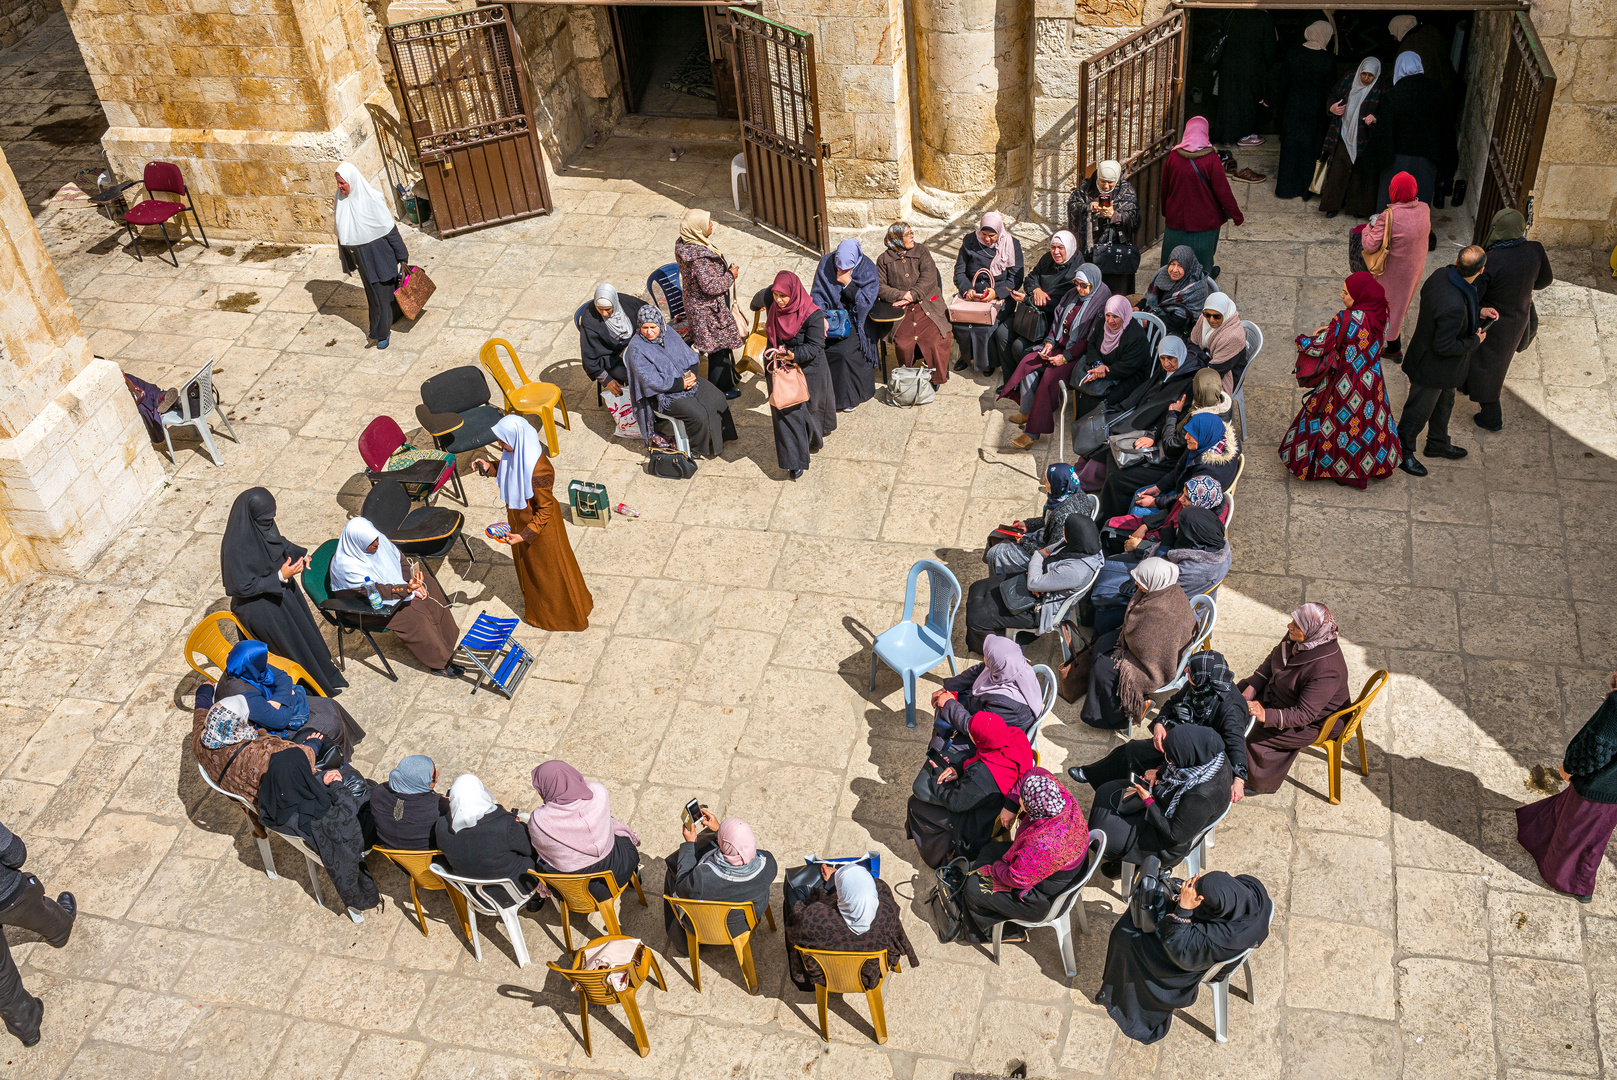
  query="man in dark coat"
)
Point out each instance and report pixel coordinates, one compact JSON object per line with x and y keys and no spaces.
{"x":1439,"y":357}
{"x":23,"y":904}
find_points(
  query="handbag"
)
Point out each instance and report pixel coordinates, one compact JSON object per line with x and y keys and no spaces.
{"x":1356,"y":251}
{"x":1155,"y":894}
{"x":1124,"y":454}
{"x":1532,"y":327}
{"x":837,"y":325}
{"x":910,"y":386}
{"x":1028,"y":322}
{"x":672,"y":465}
{"x":590,"y":503}
{"x":975,"y":312}
{"x":1317,"y":185}
{"x":1116,"y":256}
{"x":1376,"y":261}
{"x":1090,"y":434}
{"x":752,"y":353}
{"x":413,"y":292}
{"x":788,"y":386}
{"x":1310,"y":370}
{"x":1014,"y":594}
{"x":1072,"y":677}
{"x":949,"y":896}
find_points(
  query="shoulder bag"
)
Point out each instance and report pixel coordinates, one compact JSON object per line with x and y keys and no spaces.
{"x":1532,"y":328}
{"x":950,"y":899}
{"x":1310,"y":370}
{"x":975,"y":312}
{"x":837,"y":324}
{"x":1124,"y":454}
{"x":1028,"y":322}
{"x":1321,"y":167}
{"x":413,"y":292}
{"x":787,"y":384}
{"x":910,"y":386}
{"x":1376,"y":261}
{"x":1115,"y":255}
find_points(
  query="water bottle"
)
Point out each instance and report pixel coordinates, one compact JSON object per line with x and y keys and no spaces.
{"x":624,"y":510}
{"x":375,"y":597}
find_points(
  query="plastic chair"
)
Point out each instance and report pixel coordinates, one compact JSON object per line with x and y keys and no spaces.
{"x":1155,"y":331}
{"x":572,"y":895}
{"x":665,"y":280}
{"x":260,"y":833}
{"x":913,"y":649}
{"x":1206,"y":610}
{"x":1254,"y":345}
{"x":418,"y":864}
{"x":207,"y":405}
{"x":162,"y":176}
{"x":1218,"y":978}
{"x":738,"y":173}
{"x":594,"y":989}
{"x":207,"y":638}
{"x":455,"y":411}
{"x":1195,"y":859}
{"x":707,"y":922}
{"x":422,"y":479}
{"x":1062,"y":908}
{"x":340,"y":611}
{"x":841,"y":970}
{"x":525,"y":396}
{"x":1240,"y":467}
{"x":1353,"y":726}
{"x":482,"y":902}
{"x":313,"y":859}
{"x":1047,"y":687}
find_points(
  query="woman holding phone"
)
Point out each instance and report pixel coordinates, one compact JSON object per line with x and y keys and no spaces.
{"x":719,"y":860}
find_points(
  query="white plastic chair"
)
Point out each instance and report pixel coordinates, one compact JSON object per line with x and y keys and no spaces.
{"x":1254,"y":345}
{"x":1047,"y":687}
{"x":1206,"y":610}
{"x":1218,"y":977}
{"x":681,"y":440}
{"x":1195,"y":859}
{"x":738,"y":173}
{"x":207,"y":405}
{"x":1155,"y":331}
{"x":480,"y":901}
{"x":1060,"y":917}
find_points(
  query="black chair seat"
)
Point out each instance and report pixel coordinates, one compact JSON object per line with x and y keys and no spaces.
{"x":424,"y":473}
{"x":475,"y":433}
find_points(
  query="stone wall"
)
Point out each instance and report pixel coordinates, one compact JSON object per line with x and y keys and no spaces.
{"x":17,"y":17}
{"x":972,"y":75}
{"x":572,"y":74}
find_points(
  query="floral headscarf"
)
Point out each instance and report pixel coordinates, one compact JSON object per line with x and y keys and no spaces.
{"x":227,"y":723}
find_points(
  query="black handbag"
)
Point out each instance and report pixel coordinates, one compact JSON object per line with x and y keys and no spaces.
{"x":949,"y":896}
{"x":1014,"y":594}
{"x":1115,"y":255}
{"x":1090,"y":434}
{"x":672,"y":465}
{"x":1532,"y":327}
{"x":1029,"y":323}
{"x":1155,"y":894}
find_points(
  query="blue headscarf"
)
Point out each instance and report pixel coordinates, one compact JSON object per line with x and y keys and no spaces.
{"x":249,"y":662}
{"x":1208,"y":431}
{"x":1063,"y":481}
{"x":827,"y":291}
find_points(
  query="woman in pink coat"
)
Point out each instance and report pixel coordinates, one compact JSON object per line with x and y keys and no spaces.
{"x":1403,"y":227}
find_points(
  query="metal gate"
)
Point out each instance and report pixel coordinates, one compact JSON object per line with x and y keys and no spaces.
{"x":465,"y":89}
{"x":780,"y":127}
{"x":1519,"y":121}
{"x":1130,"y":109}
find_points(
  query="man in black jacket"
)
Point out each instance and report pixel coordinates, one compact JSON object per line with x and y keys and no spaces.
{"x":1449,"y":329}
{"x":23,"y":903}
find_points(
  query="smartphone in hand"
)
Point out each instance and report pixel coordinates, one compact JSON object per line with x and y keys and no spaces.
{"x":692,"y":814}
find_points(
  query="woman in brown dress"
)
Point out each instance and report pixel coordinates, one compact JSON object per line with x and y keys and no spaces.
{"x":420,"y":614}
{"x":1304,"y":680}
{"x":705,"y":278}
{"x":908,"y":279}
{"x":554,"y":595}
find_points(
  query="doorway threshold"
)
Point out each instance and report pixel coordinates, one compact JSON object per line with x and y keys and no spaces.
{"x":682,"y":128}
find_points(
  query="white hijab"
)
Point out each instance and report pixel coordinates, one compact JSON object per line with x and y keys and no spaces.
{"x":857,"y":898}
{"x":362,"y":214}
{"x":1222,"y":304}
{"x":516,"y":467}
{"x":469,"y":802}
{"x":1069,"y":244}
{"x":1355,"y":101}
{"x":617,"y":323}
{"x":352,"y":564}
{"x":1407,"y":64}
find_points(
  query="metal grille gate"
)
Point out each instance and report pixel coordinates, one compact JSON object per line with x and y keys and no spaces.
{"x":1130,"y":109}
{"x":465,"y":92}
{"x":780,"y":127}
{"x":1519,"y":122}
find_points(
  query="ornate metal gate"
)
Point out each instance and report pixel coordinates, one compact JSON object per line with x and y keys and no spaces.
{"x":780,"y":127}
{"x":1519,"y":121}
{"x":1130,"y":109}
{"x":465,"y":92}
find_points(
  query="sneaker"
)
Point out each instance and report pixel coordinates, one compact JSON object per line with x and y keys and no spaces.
{"x":1252,"y":140}
{"x":1249,"y":176}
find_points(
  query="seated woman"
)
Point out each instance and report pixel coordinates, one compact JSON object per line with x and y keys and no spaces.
{"x":479,"y":838}
{"x":1161,"y":527}
{"x":1172,"y":379}
{"x":1063,"y":496}
{"x":662,"y":378}
{"x":1211,"y":450}
{"x":1036,"y":381}
{"x":847,"y":911}
{"x":293,"y":798}
{"x":1033,"y":600}
{"x":1194,"y":543}
{"x":227,"y":746}
{"x":845,"y":283}
{"x":277,"y":704}
{"x":994,"y":249}
{"x":1003,"y":684}
{"x":1021,"y":879}
{"x":1148,"y":976}
{"x":420,"y":614}
{"x":721,"y":861}
{"x":1167,"y":808}
{"x":1177,"y":292}
{"x":1119,"y":359}
{"x":795,"y":324}
{"x":1045,"y":286}
{"x":1158,"y":626}
{"x":1164,"y":444}
{"x":908,"y":279}
{"x":1209,"y":699}
{"x":573,"y":831}
{"x":603,"y":334}
{"x":978,"y":791}
{"x":406,"y":807}
{"x":1221,"y":337}
{"x":1304,"y":680}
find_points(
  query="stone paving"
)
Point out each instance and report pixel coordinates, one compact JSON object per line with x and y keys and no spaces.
{"x":728,"y":656}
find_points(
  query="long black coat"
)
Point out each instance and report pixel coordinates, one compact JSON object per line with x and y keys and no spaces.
{"x":1515,"y":271}
{"x":494,"y":846}
{"x":973,"y":799}
{"x":1439,"y":355}
{"x":1416,"y":119}
{"x":601,"y":355}
{"x":1243,"y":69}
{"x":974,"y":256}
{"x":1299,"y":98}
{"x":801,"y":429}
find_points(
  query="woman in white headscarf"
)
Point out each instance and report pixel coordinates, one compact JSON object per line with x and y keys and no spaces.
{"x":554,"y":595}
{"x":1348,"y":185}
{"x":368,"y":240}
{"x":1045,"y":286}
{"x":1104,"y":208}
{"x":479,"y":838}
{"x":413,"y":603}
{"x":1299,"y":97}
{"x":847,"y":910}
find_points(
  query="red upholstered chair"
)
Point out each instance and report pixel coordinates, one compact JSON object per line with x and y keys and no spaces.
{"x":387,"y":456}
{"x":162,"y":176}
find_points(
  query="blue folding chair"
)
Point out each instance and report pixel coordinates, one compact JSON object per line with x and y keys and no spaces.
{"x":489,"y":647}
{"x":912,"y":649}
{"x":665,"y":280}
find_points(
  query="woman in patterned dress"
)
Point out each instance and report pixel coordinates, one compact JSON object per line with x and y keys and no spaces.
{"x":1345,"y":429}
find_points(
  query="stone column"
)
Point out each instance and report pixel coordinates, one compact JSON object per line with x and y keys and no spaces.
{"x":972,"y":76}
{"x":75,"y":462}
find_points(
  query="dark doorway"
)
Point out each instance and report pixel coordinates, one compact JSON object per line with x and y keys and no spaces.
{"x":674,"y":60}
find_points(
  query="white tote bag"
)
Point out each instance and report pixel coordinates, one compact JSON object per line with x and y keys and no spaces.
{"x":622,"y":410}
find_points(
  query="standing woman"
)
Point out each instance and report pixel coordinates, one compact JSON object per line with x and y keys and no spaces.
{"x":662,"y":376}
{"x":705,"y":279}
{"x":1104,"y":207}
{"x":795,"y":324}
{"x":1403,"y":226}
{"x":1517,"y":267}
{"x":1045,"y":286}
{"x":1301,"y":93}
{"x":1345,"y":428}
{"x":991,"y":248}
{"x":1350,"y":185}
{"x":1567,"y":835}
{"x":908,"y":279}
{"x":845,"y":281}
{"x":1196,"y":196}
{"x":554,"y":595}
{"x":368,"y":238}
{"x":1416,"y":129}
{"x":260,"y":568}
{"x":1243,"y":68}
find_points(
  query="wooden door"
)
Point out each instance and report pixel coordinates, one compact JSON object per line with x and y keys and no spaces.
{"x":466,"y":99}
{"x":721,"y":48}
{"x":1511,"y":167}
{"x":780,"y":127}
{"x":1131,"y":105}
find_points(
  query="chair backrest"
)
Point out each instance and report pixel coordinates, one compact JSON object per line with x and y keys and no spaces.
{"x":842,"y":968}
{"x":1240,"y":467}
{"x":943,"y":601}
{"x":1067,"y":898}
{"x":1254,"y":345}
{"x":578,"y":316}
{"x":457,"y":390}
{"x":317,"y":575}
{"x":252,"y":810}
{"x":1222,"y":971}
{"x":1354,"y":713}
{"x":711,"y":918}
{"x":1077,"y":594}
{"x":378,"y":442}
{"x":386,"y":505}
{"x":1155,"y":331}
{"x":203,"y":381}
{"x":592,"y":982}
{"x":574,"y":889}
{"x":1229,"y":511}
{"x":666,"y":281}
{"x":490,"y":356}
{"x":474,"y":889}
{"x":163,"y":176}
{"x":208,"y":638}
{"x":1047,"y":687}
{"x":1206,"y":610}
{"x":418,"y":864}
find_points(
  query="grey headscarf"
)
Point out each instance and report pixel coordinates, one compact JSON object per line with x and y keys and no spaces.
{"x":617,"y":323}
{"x":413,"y":776}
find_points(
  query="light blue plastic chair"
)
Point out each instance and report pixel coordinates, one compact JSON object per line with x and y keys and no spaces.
{"x":912,"y":649}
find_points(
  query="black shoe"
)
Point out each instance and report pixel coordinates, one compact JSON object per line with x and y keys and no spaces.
{"x":1077,"y":774}
{"x":1329,"y":214}
{"x":448,"y":671}
{"x":1584,"y":898}
{"x":1412,"y":465}
{"x":67,"y":903}
{"x":794,"y":473}
{"x":1216,"y":271}
{"x":1112,"y":868}
{"x":1012,"y":937}
{"x":1477,"y":420}
{"x":31,"y":1040}
{"x":1431,"y":241}
{"x":732,"y":394}
{"x":1445,"y":450}
{"x":535,"y":903}
{"x":962,"y":364}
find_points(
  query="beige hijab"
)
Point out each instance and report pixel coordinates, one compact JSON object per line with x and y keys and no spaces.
{"x":693,"y":229}
{"x":1230,"y":337}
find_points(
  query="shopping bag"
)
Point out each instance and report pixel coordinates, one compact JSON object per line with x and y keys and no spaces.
{"x":621,"y":409}
{"x":413,"y":292}
{"x":590,"y":503}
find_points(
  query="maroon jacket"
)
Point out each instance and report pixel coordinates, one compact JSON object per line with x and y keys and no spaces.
{"x":1302,"y":695}
{"x":1190,"y":205}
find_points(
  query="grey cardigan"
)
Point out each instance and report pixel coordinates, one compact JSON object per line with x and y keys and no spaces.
{"x":1055,"y":583}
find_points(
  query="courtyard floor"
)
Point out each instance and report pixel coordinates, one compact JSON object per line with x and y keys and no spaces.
{"x":727,"y":657}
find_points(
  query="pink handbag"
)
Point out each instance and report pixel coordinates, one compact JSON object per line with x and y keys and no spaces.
{"x":787,"y":384}
{"x":975,"y":312}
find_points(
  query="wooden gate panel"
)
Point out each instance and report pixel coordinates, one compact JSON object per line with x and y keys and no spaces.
{"x":466,"y":99}
{"x":1510,"y":168}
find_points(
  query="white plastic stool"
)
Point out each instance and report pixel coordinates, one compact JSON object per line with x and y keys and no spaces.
{"x":738,"y":171}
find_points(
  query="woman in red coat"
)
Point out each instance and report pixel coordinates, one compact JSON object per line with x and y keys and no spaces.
{"x":1303,"y":681}
{"x":1196,"y":196}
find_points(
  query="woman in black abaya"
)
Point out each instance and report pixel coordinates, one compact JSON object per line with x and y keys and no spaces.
{"x":1300,"y":99}
{"x":260,"y":569}
{"x":1247,"y":49}
{"x":846,"y":282}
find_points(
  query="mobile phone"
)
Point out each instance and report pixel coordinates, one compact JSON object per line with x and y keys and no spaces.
{"x":693,"y":813}
{"x":1484,"y":322}
{"x":1133,"y":779}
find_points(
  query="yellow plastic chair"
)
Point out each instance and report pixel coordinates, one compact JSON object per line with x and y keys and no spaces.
{"x":208,"y":639}
{"x":572,"y":895}
{"x":1353,"y":726}
{"x":539,"y":399}
{"x":707,"y":922}
{"x":593,"y":989}
{"x":418,"y":864}
{"x":842,"y":977}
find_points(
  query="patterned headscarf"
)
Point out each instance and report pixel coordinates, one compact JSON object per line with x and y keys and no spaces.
{"x":1205,"y":492}
{"x":227,"y":723}
{"x":1063,"y":481}
{"x":1206,"y":675}
{"x":1195,"y":754}
{"x":1317,"y":625}
{"x":1042,"y":795}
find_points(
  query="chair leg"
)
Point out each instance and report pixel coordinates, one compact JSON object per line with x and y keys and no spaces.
{"x":269,"y":857}
{"x":134,"y":242}
{"x":748,"y":972}
{"x":909,"y":699}
{"x":566,"y":921}
{"x":458,"y":902}
{"x":548,"y":419}
{"x":220,"y":413}
{"x":1083,"y":916}
{"x":657,"y":974}
{"x":167,"y":442}
{"x":207,"y":440}
{"x":999,"y":931}
{"x":1364,"y":759}
{"x":1063,"y":930}
{"x":1251,"y":992}
{"x":695,"y":950}
{"x":770,"y":915}
{"x":1126,"y":882}
{"x":609,"y":916}
{"x":378,"y":650}
{"x":1333,"y":766}
{"x":513,"y":930}
{"x":566,"y":421}
{"x":878,"y":1015}
{"x":470,"y":555}
{"x":476,"y":938}
{"x":634,"y":879}
{"x":642,"y":1041}
{"x":820,"y":999}
{"x":415,"y":897}
{"x":314,"y":880}
{"x":584,"y":1022}
{"x":170,"y":244}
{"x":205,"y":243}
{"x":1221,"y":1010}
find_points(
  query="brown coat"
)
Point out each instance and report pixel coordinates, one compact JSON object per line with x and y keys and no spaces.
{"x":706,"y":286}
{"x":1296,"y":697}
{"x":554,"y":595}
{"x":245,"y":772}
{"x":899,"y":272}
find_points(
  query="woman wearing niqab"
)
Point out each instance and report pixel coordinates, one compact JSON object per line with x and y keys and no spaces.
{"x":1299,"y":98}
{"x":368,"y":240}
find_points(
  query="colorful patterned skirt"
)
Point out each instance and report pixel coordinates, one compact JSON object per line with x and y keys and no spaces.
{"x":1345,"y":430}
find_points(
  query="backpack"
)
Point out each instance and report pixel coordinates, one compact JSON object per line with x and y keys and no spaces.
{"x":949,"y":896}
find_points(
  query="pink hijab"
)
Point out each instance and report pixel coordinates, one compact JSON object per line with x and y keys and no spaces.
{"x":736,"y":842}
{"x":574,"y":827}
{"x":1318,"y":628}
{"x":1004,"y":254}
{"x":1117,"y":305}
{"x":1195,"y":135}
